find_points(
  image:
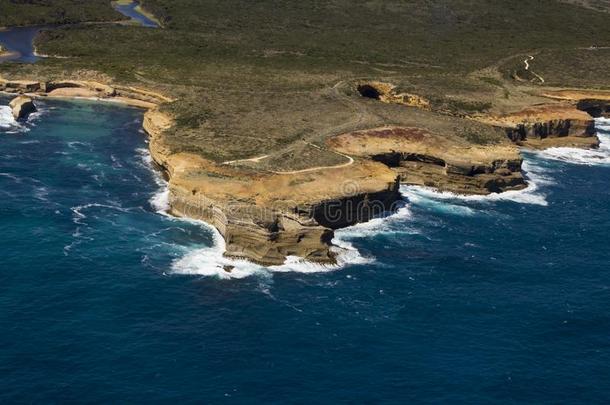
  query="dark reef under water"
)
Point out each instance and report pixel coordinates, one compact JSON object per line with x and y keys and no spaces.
{"x":459,"y":300}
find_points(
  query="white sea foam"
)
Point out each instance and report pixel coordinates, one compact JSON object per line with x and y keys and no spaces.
{"x":8,"y":123}
{"x":160,"y":200}
{"x":536,"y":177}
{"x":78,"y":215}
{"x":210,"y":261}
{"x":376,"y":226}
{"x":589,"y":157}
{"x":11,"y":176}
{"x":429,"y":198}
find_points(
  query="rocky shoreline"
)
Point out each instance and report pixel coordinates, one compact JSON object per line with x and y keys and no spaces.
{"x":267,"y":216}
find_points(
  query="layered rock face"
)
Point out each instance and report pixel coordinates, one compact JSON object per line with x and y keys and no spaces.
{"x":22,"y":107}
{"x":268,"y":234}
{"x":548,"y":126}
{"x":523,"y":133}
{"x":82,"y":88}
{"x":422,"y":158}
{"x":268,"y":217}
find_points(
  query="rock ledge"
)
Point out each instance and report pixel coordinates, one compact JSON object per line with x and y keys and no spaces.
{"x":22,"y":107}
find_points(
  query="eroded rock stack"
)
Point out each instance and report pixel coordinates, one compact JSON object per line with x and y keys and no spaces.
{"x":22,"y":107}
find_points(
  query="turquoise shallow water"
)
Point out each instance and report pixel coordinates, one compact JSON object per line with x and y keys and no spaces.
{"x":456,"y":300}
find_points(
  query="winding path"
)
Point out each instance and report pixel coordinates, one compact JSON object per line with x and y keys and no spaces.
{"x":254,"y":160}
{"x":527,"y":61}
{"x":346,"y":126}
{"x":313,"y":169}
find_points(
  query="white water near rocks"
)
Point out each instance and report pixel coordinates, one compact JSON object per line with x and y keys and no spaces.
{"x":9,"y":125}
{"x":536,"y":178}
{"x":7,"y":121}
{"x":210,"y":261}
{"x":588,"y":157}
{"x":160,"y":200}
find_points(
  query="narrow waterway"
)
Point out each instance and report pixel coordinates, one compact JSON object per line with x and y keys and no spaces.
{"x":132,"y":10}
{"x":19,"y":42}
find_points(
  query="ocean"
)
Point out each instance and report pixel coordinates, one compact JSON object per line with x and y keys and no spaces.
{"x":104,"y":298}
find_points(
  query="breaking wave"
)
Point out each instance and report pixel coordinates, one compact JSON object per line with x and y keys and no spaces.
{"x":211,"y":262}
{"x":9,"y":125}
{"x":589,"y":157}
{"x":536,"y":177}
{"x":7,"y":121}
{"x":160,"y":200}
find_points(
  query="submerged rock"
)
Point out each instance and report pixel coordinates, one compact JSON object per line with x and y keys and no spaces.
{"x":21,"y":107}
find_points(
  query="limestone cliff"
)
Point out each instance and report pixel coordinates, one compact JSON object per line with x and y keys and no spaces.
{"x":84,"y":89}
{"x":267,"y":217}
{"x":423,"y":158}
{"x":22,"y":107}
{"x":548,"y":125}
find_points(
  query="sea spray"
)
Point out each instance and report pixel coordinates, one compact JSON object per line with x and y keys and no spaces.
{"x":589,"y":157}
{"x":210,"y":261}
{"x":8,"y":124}
{"x":160,"y":199}
{"x":536,"y":177}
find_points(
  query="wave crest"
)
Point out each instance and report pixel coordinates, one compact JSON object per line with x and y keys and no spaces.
{"x":535,"y":175}
{"x":8,"y":123}
{"x":588,"y":157}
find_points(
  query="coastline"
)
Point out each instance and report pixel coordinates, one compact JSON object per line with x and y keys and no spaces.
{"x":282,"y":235}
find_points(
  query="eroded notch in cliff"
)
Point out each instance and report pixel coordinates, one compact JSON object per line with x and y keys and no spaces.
{"x":369,"y":91}
{"x":395,"y":159}
{"x":595,"y":108}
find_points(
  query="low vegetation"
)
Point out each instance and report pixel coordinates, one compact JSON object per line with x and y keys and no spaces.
{"x":42,"y":12}
{"x":258,"y":77}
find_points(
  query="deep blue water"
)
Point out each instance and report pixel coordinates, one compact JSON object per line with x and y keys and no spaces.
{"x":130,"y":10}
{"x":20,"y":42}
{"x":465,"y":301}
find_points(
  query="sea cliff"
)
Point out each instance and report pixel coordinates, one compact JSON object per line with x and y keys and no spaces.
{"x":266,"y":216}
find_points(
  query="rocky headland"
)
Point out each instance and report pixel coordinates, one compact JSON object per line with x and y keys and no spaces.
{"x":268,"y":215}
